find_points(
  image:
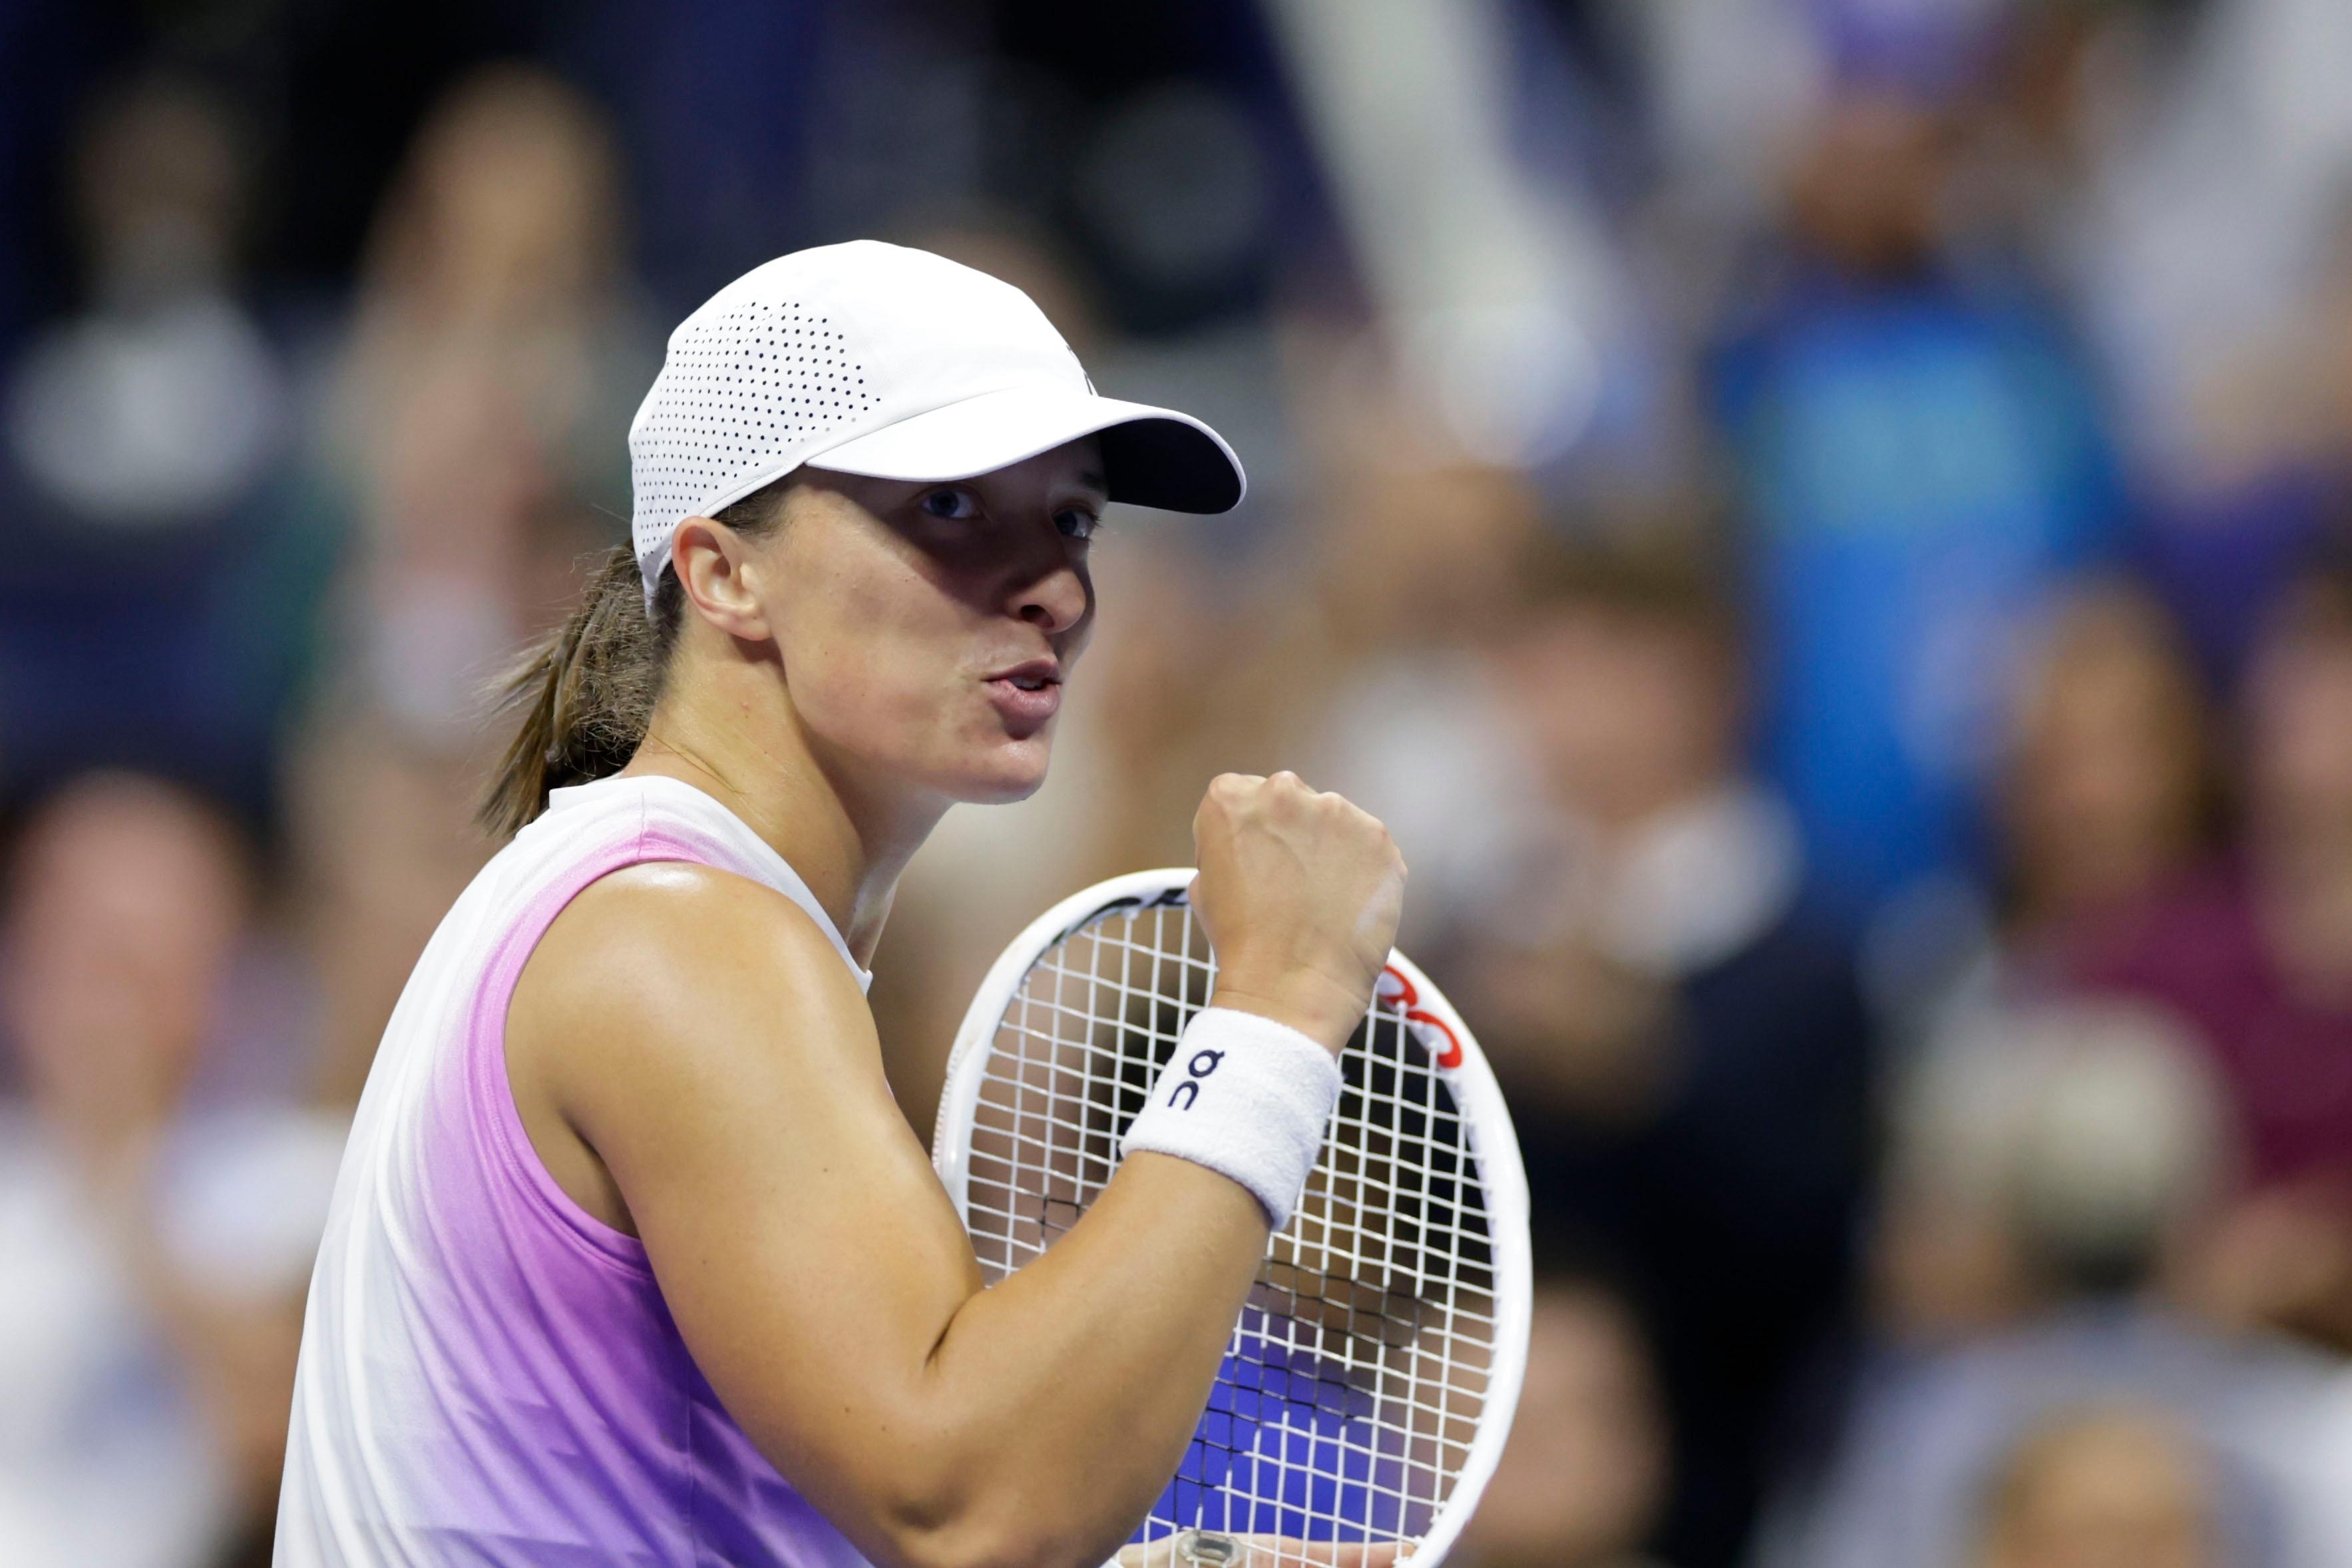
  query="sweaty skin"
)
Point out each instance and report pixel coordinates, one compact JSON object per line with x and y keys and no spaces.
{"x":695,"y":1065}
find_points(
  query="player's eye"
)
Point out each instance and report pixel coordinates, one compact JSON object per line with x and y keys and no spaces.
{"x":950,"y":503}
{"x":1077,"y":523}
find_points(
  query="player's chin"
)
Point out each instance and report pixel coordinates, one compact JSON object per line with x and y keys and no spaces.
{"x":1011,"y":768}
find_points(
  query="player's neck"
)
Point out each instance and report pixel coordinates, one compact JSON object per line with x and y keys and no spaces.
{"x":847,"y":838}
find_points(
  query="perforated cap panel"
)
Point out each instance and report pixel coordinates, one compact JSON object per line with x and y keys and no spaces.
{"x":746,"y":388}
{"x":745,"y":393}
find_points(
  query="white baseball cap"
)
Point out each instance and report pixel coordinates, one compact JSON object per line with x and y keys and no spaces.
{"x":874,"y":359}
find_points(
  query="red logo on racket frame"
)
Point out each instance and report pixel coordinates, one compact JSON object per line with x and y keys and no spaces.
{"x":1436,"y":1036}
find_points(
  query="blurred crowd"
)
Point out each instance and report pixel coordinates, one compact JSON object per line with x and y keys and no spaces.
{"x":1824,"y":527}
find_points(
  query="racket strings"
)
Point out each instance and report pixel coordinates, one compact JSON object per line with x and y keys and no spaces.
{"x":1351,"y":1388}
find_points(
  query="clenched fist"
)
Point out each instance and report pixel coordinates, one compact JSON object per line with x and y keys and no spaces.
{"x":1299,"y":892}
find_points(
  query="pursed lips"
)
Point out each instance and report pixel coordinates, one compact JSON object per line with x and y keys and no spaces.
{"x":1027,"y":694}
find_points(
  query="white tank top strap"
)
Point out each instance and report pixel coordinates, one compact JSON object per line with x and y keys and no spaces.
{"x":676,"y":808}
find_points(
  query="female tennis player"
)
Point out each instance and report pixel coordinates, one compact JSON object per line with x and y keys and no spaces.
{"x":633,"y":1259}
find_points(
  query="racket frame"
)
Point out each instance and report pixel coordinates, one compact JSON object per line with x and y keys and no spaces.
{"x":1432,"y":1024}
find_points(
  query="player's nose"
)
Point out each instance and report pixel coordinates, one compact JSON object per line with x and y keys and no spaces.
{"x":1056,"y":600}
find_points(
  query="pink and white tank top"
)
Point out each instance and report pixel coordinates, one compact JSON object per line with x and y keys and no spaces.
{"x":489,"y":1374}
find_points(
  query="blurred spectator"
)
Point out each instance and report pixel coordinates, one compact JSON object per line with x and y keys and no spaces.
{"x":166,"y":403}
{"x":1922,"y":1441}
{"x":2108,"y":787}
{"x":1581,"y":1482}
{"x":2107,"y":793}
{"x":482,"y":413}
{"x":1373,"y":680}
{"x":2184,"y":168}
{"x":2258,"y":956}
{"x":1920,"y":459}
{"x":494,"y":364}
{"x":140,"y":444}
{"x":2271,"y":482}
{"x":1687,"y":1054}
{"x":159,"y":1246}
{"x":2210,"y":144}
{"x":2047,"y":1177}
{"x":2043,"y":1152}
{"x":2103,"y":1490}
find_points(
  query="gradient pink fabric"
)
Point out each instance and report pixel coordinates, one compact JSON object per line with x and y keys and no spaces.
{"x":490,"y":1374}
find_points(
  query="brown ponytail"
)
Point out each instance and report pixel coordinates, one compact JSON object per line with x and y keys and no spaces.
{"x":586,"y":691}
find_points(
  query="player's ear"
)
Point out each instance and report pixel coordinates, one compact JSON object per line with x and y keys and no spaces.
{"x":713,"y":566}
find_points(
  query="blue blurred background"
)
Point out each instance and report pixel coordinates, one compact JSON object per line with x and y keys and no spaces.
{"x":1825,"y":526}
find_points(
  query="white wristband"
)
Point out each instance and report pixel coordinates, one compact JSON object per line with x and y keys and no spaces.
{"x":1246,"y":1096}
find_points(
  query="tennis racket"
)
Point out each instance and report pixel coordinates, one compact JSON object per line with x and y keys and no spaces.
{"x":1368,"y":1388}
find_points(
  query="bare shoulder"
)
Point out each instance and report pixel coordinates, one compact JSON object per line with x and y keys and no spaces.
{"x":667,"y":974}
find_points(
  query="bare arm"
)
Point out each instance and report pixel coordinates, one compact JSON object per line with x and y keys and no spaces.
{"x":702,"y":1038}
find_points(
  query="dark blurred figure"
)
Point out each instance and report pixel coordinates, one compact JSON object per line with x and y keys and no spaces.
{"x":1919,"y":458}
{"x":152,"y":603}
{"x":1582,"y":1480}
{"x":2051,"y":1175}
{"x":158,"y":1245}
{"x":2257,"y":954}
{"x":1688,"y":1056}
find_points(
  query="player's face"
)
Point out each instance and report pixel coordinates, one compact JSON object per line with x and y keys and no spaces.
{"x":925,"y":629}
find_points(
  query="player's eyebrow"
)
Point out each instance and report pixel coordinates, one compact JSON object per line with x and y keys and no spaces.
{"x":1095,"y":481}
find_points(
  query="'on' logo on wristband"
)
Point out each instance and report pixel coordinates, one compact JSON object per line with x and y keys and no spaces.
{"x":1204,"y":1062}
